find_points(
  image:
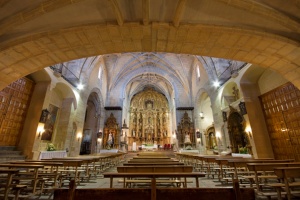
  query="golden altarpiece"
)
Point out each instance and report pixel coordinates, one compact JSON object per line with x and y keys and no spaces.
{"x":149,"y":118}
{"x":184,"y":129}
{"x":111,"y":127}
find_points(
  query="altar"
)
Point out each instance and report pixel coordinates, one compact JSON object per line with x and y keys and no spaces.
{"x":52,"y":154}
{"x":188,"y":151}
{"x":149,"y":147}
{"x":109,"y":150}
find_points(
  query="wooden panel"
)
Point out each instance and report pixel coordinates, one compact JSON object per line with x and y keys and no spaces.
{"x":14,"y":102}
{"x":282,"y":114}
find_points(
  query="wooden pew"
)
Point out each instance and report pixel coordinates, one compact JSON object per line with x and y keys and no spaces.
{"x":234,"y":193}
{"x":32,"y":176}
{"x":159,"y":168}
{"x":52,"y":173}
{"x":67,"y":163}
{"x":7,"y":185}
{"x":151,"y":157}
{"x":154,"y":169}
{"x":286,"y":174}
{"x":242,"y":163}
{"x":260,"y":170}
{"x":150,"y":163}
{"x":153,"y":176}
{"x":151,"y":160}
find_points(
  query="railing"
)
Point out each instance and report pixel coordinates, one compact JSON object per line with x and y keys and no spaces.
{"x":66,"y":74}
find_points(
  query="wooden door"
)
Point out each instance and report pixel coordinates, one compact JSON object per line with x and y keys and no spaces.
{"x":281,"y":108}
{"x":14,"y":102}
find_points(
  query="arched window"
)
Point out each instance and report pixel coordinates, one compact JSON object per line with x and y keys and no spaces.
{"x":100,"y":72}
{"x":198,"y":71}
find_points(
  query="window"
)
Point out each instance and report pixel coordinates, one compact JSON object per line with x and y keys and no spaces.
{"x":198,"y":71}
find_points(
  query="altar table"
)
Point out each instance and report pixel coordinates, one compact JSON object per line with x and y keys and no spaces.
{"x":52,"y":154}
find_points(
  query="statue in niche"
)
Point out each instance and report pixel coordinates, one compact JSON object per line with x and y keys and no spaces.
{"x":149,"y":105}
{"x":149,"y":120}
{"x":165,"y":133}
{"x":187,"y":139}
{"x":122,"y":137}
{"x":235,"y":93}
{"x":133,"y":133}
{"x":110,"y":140}
{"x":158,"y":133}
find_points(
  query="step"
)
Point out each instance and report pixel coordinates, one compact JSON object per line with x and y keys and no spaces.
{"x":12,"y":158}
{"x":7,"y":148}
{"x":8,"y":152}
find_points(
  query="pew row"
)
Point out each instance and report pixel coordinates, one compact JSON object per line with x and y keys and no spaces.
{"x":159,"y":169}
{"x":235,"y":193}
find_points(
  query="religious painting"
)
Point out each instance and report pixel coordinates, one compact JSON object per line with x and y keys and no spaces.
{"x":242,"y":107}
{"x":50,"y":122}
{"x":224,"y":114}
{"x":44,"y":116}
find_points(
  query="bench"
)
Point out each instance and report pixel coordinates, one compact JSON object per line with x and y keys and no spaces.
{"x":153,"y":176}
{"x":8,"y":174}
{"x":263,"y":171}
{"x":287,"y":174}
{"x":51,"y":173}
{"x":159,"y":168}
{"x":234,"y":193}
{"x":30,"y":176}
{"x":150,"y":163}
{"x":152,"y":160}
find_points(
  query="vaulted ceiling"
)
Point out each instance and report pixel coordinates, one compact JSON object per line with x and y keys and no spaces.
{"x":36,"y":34}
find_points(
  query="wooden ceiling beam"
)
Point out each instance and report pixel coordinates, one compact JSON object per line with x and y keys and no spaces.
{"x":178,"y":12}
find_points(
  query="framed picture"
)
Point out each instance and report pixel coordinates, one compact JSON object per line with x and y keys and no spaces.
{"x":224,"y":114}
{"x":44,"y":116}
{"x":242,"y":107}
{"x":50,"y":122}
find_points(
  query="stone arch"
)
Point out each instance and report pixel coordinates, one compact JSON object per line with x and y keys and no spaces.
{"x":40,"y":50}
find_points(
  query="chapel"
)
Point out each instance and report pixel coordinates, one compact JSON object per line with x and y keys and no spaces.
{"x":208,"y":76}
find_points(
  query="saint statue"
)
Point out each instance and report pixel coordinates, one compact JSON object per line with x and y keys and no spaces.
{"x":122,"y":137}
{"x":133,"y":133}
{"x":187,"y":138}
{"x":110,"y":140}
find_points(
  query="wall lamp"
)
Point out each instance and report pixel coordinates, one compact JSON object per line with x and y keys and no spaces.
{"x":201,"y":115}
{"x":79,"y":136}
{"x":248,"y":131}
{"x":40,"y":129}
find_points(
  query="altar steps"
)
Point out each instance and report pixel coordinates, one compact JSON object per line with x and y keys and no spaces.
{"x":10,"y":153}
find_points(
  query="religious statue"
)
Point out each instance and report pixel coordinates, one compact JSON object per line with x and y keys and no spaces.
{"x":122,"y":137}
{"x":165,"y":133}
{"x":235,"y":93}
{"x":110,"y":140}
{"x":133,"y":133}
{"x":125,"y":138}
{"x":187,"y":138}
